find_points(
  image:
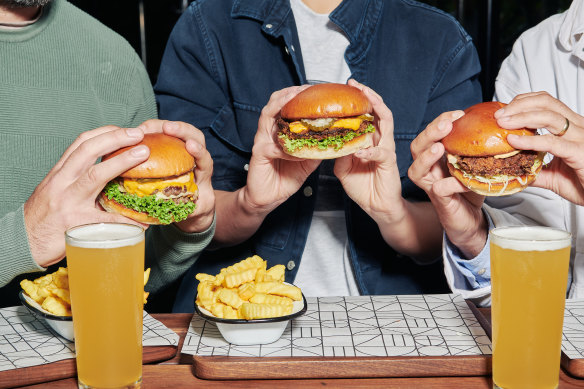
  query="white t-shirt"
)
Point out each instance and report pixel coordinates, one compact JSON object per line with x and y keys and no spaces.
{"x":325,"y":269}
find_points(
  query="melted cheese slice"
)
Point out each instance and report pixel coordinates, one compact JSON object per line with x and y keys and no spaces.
{"x":298,"y":127}
{"x":352,"y":123}
{"x":146,"y":187}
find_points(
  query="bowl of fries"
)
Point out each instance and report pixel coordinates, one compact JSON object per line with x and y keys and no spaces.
{"x":48,"y":298}
{"x":249,"y":303}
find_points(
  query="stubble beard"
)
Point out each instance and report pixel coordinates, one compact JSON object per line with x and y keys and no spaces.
{"x":14,"y":4}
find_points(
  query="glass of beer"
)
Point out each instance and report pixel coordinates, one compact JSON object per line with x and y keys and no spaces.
{"x":106,"y":280}
{"x":529,"y":274}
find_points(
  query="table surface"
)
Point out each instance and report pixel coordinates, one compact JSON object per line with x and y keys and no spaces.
{"x":178,"y":372}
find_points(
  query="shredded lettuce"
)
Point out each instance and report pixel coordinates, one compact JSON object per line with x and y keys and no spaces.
{"x":336,"y":141}
{"x":166,"y":211}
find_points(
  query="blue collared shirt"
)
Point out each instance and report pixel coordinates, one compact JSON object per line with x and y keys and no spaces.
{"x":226,"y":57}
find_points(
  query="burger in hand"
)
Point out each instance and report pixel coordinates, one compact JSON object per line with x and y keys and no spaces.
{"x":326,"y":121}
{"x":479,"y":156}
{"x":161,"y":190}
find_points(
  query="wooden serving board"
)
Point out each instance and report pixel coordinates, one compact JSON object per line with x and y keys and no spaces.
{"x":354,"y":337}
{"x":229,"y":368}
{"x":67,"y":368}
{"x":572,"y":366}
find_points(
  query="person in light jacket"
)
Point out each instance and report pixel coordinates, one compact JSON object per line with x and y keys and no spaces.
{"x":543,"y":80}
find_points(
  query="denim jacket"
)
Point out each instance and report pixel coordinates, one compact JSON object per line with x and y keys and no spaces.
{"x":225,"y":58}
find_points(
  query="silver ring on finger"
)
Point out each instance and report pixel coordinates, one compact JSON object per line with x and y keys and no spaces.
{"x":565,"y":128}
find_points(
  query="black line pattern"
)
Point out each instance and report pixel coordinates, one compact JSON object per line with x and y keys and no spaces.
{"x":573,"y":336}
{"x":26,"y":340}
{"x":422,"y":325}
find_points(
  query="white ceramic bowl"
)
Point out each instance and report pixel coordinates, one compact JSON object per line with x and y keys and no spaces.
{"x":243,"y":332}
{"x":62,"y":325}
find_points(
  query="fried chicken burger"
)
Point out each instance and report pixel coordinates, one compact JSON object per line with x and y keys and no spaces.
{"x":479,"y":156}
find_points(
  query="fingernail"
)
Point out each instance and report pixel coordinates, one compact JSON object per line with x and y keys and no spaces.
{"x":512,"y":137}
{"x":504,"y":119}
{"x":434,"y":149}
{"x":457,"y":115}
{"x":442,"y":125}
{"x":133,"y":132}
{"x":171,"y":125}
{"x":499,"y":112}
{"x":139,"y":151}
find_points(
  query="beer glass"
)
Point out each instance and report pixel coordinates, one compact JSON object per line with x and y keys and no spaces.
{"x":106,"y":280}
{"x":529,"y":273}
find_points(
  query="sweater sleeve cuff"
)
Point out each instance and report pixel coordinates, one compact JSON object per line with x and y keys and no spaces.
{"x":16,"y":256}
{"x":187,"y":242}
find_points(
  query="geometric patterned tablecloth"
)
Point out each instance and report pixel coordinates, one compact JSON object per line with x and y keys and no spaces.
{"x":26,"y":340}
{"x":416,"y":325}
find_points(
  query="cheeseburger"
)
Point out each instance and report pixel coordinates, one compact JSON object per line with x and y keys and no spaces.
{"x":326,"y":121}
{"x":161,"y":190}
{"x":479,"y":156}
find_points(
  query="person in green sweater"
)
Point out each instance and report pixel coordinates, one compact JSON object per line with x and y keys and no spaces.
{"x":71,"y":90}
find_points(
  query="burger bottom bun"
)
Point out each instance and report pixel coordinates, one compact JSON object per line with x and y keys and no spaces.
{"x":355,"y":144}
{"x":494,"y":188}
{"x":114,"y":207}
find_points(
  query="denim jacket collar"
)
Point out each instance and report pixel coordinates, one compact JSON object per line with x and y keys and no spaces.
{"x":357,"y":18}
{"x":271,"y":13}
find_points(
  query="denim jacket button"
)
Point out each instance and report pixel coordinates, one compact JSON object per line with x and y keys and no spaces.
{"x":246,"y":167}
{"x":269,"y":26}
{"x":291,"y":265}
{"x":286,"y":50}
{"x":307,"y":191}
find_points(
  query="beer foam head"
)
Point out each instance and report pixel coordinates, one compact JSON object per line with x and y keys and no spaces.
{"x":104,"y":235}
{"x":530,"y":238}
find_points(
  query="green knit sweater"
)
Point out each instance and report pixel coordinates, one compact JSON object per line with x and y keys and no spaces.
{"x":63,"y":75}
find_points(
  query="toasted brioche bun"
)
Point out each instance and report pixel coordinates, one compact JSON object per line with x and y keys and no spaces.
{"x":514,"y":185}
{"x":327,"y":101}
{"x":477,"y":134}
{"x":114,"y":207}
{"x":168,"y":157}
{"x":358,"y":143}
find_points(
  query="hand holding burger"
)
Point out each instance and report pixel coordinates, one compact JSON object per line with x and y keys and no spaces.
{"x":458,"y":208}
{"x":371,"y":178}
{"x":66,"y":196}
{"x":565,"y":140}
{"x":480,"y":157}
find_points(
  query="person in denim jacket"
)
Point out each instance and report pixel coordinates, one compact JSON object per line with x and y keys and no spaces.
{"x":223,"y":62}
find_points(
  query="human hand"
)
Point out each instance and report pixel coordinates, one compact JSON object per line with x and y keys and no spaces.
{"x":202,"y":218}
{"x":565,"y":174}
{"x":458,"y":209}
{"x":66,"y":196}
{"x":370,"y":177}
{"x":273,"y":175}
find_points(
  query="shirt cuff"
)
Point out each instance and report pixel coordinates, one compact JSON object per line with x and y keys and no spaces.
{"x":187,"y":242}
{"x":476,"y":271}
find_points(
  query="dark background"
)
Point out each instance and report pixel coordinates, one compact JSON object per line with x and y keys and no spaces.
{"x":493,"y":24}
